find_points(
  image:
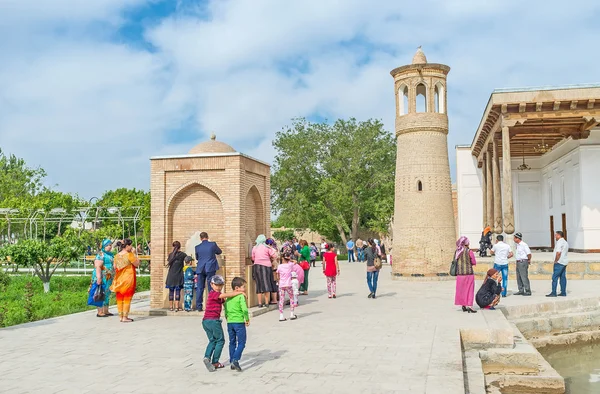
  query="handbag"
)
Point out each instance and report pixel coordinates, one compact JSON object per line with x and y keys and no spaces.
{"x":453,"y":268}
{"x":92,"y":295}
{"x":99,"y":294}
{"x":304,"y":265}
{"x":377,"y":263}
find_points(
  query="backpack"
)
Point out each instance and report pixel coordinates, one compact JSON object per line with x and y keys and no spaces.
{"x":313,"y":253}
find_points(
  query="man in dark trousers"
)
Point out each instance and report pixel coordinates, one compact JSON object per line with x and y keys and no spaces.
{"x":206,"y":256}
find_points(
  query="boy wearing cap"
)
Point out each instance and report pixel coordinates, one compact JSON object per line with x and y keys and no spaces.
{"x":523,"y":260}
{"x":212,"y":322}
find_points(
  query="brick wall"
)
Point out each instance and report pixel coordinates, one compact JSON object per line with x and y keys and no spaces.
{"x":424,"y":233}
{"x":224,"y":196}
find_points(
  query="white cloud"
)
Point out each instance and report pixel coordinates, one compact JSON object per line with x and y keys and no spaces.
{"x":91,"y":111}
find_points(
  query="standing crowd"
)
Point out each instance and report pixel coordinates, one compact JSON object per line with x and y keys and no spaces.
{"x":495,"y":284}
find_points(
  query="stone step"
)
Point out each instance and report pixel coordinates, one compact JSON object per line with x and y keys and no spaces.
{"x":522,"y":359}
{"x":497,"y":333}
{"x":519,"y":370}
{"x":564,"y":323}
{"x":551,"y":307}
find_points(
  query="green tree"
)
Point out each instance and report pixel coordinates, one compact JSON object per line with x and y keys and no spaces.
{"x":43,"y":257}
{"x":128,"y":200}
{"x":334,"y":178}
{"x":18,"y":184}
{"x":283,"y":235}
{"x":57,"y":210}
{"x":17,"y":180}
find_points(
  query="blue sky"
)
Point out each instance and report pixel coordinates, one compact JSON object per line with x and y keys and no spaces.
{"x":90,"y":90}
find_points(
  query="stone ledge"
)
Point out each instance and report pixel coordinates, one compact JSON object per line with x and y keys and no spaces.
{"x":253,"y":312}
{"x":498,"y":333}
{"x":566,"y":339}
{"x":549,"y":308}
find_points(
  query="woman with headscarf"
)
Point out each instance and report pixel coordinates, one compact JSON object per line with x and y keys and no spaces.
{"x":174,"y":280}
{"x":103,"y":275}
{"x":262,"y":271}
{"x":371,"y":254}
{"x":465,"y":277}
{"x":488,"y":295}
{"x":124,"y":283}
{"x":485,"y":242}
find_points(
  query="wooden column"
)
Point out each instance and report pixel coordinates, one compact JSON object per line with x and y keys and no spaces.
{"x":509,"y":215}
{"x":490,"y":191}
{"x":497,"y":226}
{"x":484,"y":192}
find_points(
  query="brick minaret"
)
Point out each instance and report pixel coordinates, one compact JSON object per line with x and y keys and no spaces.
{"x":424,"y":230}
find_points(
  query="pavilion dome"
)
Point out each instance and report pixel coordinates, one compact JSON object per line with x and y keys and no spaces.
{"x":419,"y":57}
{"x":212,"y":146}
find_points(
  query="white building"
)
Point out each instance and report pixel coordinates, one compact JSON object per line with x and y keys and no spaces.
{"x":534,"y":167}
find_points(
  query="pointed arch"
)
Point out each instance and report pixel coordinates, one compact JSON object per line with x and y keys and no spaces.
{"x":254,"y":217}
{"x":402,"y":100}
{"x":421,"y":97}
{"x":440,"y":98}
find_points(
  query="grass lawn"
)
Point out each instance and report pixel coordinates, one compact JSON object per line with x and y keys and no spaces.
{"x":22,"y":297}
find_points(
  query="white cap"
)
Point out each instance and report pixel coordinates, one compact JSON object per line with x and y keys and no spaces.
{"x":294,"y":274}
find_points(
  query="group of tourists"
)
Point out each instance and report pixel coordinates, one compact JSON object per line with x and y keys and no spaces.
{"x":114,"y":273}
{"x":356,"y":250}
{"x":495,"y":284}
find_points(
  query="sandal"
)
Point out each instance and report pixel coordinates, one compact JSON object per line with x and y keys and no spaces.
{"x":98,"y":315}
{"x":218,"y":365}
{"x":171,"y":309}
{"x":109,"y":314}
{"x":128,"y":320}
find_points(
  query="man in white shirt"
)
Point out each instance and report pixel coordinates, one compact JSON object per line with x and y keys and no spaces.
{"x":323,"y":246}
{"x":523,"y":260}
{"x":502,"y":253}
{"x":561,"y":252}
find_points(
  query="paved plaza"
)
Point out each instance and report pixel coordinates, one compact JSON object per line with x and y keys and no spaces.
{"x":405,"y":341}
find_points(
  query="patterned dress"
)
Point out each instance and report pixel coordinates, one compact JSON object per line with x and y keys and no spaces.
{"x":188,"y":287}
{"x":107,"y":272}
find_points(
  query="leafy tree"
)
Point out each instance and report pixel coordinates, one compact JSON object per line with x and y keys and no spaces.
{"x":18,"y":183}
{"x":43,"y":257}
{"x":127,"y":200}
{"x":17,"y":180}
{"x":283,"y":235}
{"x":58,"y":208}
{"x":334,"y":178}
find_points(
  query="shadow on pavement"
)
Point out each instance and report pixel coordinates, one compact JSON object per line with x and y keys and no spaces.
{"x":258,"y":358}
{"x":345,"y":295}
{"x":303,"y":315}
{"x":387,"y":295}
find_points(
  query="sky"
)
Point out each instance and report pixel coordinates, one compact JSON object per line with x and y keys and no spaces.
{"x":90,"y":90}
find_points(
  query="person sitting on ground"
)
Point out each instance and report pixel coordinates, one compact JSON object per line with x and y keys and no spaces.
{"x":488,"y":295}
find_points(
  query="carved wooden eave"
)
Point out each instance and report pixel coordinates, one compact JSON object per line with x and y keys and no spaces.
{"x":537,"y":115}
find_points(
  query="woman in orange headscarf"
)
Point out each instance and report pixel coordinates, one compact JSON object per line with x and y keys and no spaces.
{"x":124,"y":283}
{"x":485,"y":242}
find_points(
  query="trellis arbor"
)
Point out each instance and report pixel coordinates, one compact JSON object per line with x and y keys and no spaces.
{"x":19,"y":223}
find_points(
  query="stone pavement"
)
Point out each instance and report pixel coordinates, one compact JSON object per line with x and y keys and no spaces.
{"x":405,"y":341}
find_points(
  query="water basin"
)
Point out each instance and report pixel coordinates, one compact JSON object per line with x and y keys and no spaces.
{"x":579,"y":364}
